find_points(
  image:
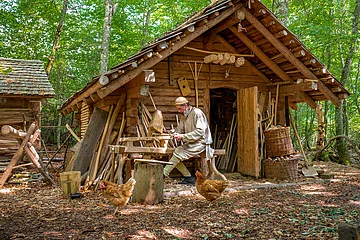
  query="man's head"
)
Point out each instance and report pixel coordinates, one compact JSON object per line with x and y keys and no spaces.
{"x":182,"y":105}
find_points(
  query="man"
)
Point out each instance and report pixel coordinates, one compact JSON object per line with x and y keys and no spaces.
{"x":194,"y":131}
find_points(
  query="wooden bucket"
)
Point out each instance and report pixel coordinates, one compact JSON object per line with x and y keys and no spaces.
{"x":70,"y":182}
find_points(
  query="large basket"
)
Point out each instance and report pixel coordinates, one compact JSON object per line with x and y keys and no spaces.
{"x":281,"y":169}
{"x":278,"y":142}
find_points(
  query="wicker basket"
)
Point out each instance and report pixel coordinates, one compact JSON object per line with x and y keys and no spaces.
{"x":278,"y":142}
{"x":281,"y":169}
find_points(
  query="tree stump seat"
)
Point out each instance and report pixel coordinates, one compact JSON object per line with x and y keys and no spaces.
{"x":149,"y":187}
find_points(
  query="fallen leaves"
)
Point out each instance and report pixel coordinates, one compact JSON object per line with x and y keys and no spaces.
{"x":311,"y":211}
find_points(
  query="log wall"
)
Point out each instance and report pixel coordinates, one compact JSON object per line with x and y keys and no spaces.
{"x":19,"y":113}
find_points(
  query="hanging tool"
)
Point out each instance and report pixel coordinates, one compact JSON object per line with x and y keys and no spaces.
{"x":195,"y":72}
{"x":184,"y":86}
{"x":307,"y":170}
{"x":157,"y":123}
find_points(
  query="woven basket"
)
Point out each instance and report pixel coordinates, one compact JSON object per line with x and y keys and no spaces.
{"x":281,"y":169}
{"x":278,"y":142}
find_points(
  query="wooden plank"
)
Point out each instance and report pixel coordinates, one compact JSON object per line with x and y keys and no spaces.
{"x":90,"y":140}
{"x":134,"y":139}
{"x":248,"y":158}
{"x":153,"y":161}
{"x":159,"y":150}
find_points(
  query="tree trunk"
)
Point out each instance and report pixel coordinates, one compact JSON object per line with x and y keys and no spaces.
{"x":341,"y":145}
{"x":57,"y":38}
{"x":282,"y":11}
{"x":110,"y":9}
{"x":146,"y":23}
{"x":321,"y":132}
{"x":58,"y":137}
{"x":339,"y":115}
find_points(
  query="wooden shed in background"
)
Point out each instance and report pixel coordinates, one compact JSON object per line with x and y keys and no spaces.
{"x":236,"y":57}
{"x":24,"y":87}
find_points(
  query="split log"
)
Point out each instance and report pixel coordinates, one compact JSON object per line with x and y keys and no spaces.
{"x":93,"y":171}
{"x":90,"y":140}
{"x":9,"y":130}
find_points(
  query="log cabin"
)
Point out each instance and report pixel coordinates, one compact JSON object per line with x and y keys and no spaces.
{"x":233,"y":59}
{"x":24,"y":88}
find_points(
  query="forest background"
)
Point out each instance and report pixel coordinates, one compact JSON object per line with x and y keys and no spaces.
{"x":30,"y":28}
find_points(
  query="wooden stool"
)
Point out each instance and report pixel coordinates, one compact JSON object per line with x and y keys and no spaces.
{"x":149,"y":187}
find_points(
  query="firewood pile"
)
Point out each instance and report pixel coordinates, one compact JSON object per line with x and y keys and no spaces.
{"x":27,"y":140}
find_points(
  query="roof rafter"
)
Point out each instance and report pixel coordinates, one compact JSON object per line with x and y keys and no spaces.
{"x":233,"y":49}
{"x":266,"y":60}
{"x":123,"y":79}
{"x":290,"y":57}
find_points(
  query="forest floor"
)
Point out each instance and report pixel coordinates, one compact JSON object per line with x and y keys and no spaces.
{"x":308,"y":208}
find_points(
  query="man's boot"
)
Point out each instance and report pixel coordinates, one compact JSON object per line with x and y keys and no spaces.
{"x":188,"y":181}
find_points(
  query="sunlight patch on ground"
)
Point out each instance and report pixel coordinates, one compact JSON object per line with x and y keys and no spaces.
{"x":178,"y":232}
{"x":6,"y":190}
{"x":11,"y":190}
{"x":315,"y":190}
{"x":355,"y":202}
{"x":143,"y":234}
{"x":53,"y":233}
{"x":242,"y":211}
{"x":320,"y":193}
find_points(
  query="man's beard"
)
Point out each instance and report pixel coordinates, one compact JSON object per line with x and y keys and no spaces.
{"x":186,"y":112}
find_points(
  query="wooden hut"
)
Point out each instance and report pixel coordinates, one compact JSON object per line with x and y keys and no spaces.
{"x":242,"y":66}
{"x":24,"y":87}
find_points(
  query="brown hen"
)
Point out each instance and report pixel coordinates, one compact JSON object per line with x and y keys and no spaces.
{"x":209,"y":189}
{"x":117,"y":194}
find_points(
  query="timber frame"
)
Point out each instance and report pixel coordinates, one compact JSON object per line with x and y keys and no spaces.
{"x":279,"y":55}
{"x":253,"y":55}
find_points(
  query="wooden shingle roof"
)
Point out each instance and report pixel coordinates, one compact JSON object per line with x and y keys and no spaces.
{"x":243,"y":27}
{"x":24,"y":77}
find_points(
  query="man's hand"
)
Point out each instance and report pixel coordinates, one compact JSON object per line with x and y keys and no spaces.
{"x":178,"y":137}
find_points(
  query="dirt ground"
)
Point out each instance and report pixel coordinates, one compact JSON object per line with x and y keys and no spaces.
{"x":309,"y":208}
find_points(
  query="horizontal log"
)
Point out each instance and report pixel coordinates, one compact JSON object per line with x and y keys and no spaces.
{"x":153,"y":161}
{"x":9,"y":130}
{"x":134,"y":139}
{"x":158,"y":150}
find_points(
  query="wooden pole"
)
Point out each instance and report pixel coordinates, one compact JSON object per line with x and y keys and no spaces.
{"x":17,"y":155}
